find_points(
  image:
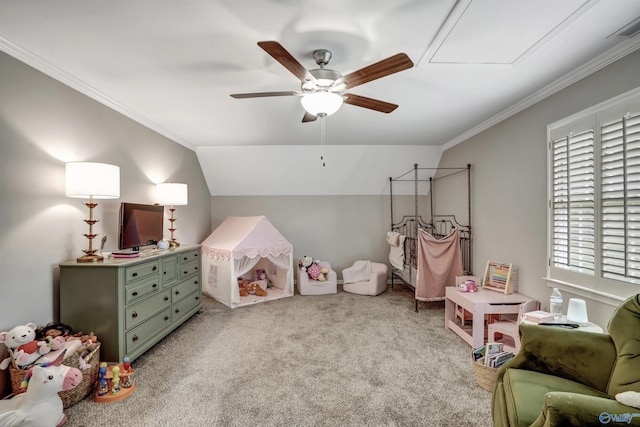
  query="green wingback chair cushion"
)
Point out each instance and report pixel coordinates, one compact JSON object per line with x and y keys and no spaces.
{"x":522,"y":387}
{"x":624,"y":329}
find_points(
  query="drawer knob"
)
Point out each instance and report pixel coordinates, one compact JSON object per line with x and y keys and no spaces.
{"x":197,"y":298}
{"x":186,"y":272}
{"x":134,"y":314}
{"x":135,"y":275}
{"x":135,"y":294}
{"x":177,"y":292}
{"x":185,"y":258}
{"x":155,"y":285}
{"x":177,"y":310}
{"x":154,"y":268}
{"x":195,"y":282}
{"x":166,"y":298}
{"x":164,"y":272}
{"x":195,"y":268}
{"x":166,"y":317}
{"x":135,"y":338}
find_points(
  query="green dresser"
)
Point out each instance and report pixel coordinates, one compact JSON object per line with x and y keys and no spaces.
{"x":131,"y":303}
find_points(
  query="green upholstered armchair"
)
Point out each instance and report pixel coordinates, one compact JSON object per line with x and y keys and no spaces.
{"x":565,"y":377}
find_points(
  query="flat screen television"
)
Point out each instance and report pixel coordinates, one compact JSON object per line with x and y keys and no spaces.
{"x":140,"y":225}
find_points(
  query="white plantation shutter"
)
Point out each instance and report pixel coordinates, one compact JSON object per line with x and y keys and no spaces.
{"x":594,"y":198}
{"x":573,"y":202}
{"x":620,"y":198}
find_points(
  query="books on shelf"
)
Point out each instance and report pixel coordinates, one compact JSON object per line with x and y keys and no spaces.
{"x":538,"y":316}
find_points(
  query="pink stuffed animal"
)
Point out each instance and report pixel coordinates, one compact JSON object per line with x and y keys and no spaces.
{"x":468,"y":286}
{"x":313,"y":268}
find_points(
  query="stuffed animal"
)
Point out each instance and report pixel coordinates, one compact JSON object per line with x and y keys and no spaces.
{"x":468,"y":286}
{"x":313,"y":268}
{"x":245,"y":287}
{"x":629,"y":398}
{"x":40,"y":405}
{"x":22,"y":344}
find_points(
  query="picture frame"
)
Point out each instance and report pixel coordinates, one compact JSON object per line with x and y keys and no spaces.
{"x":498,"y":277}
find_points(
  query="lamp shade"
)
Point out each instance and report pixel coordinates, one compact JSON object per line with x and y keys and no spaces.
{"x":170,"y":193}
{"x":99,"y":180}
{"x":577,"y":311}
{"x":321,"y":103}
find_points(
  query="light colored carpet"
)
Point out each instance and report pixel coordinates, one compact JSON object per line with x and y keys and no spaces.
{"x":328,"y":360}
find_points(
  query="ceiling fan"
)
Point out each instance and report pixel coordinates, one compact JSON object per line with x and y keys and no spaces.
{"x":322,"y":90}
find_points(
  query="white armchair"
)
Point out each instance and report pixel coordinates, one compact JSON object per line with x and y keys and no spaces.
{"x":307,"y":286}
{"x":365,"y":278}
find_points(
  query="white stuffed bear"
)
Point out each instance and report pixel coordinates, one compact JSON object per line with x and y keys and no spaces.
{"x":629,"y":398}
{"x":21,"y":340}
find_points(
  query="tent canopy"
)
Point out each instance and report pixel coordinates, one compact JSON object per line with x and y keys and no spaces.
{"x":249,"y":236}
{"x":238,"y":248}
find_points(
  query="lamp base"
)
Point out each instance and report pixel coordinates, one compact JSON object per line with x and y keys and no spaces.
{"x":173,"y":244}
{"x":90,"y":258}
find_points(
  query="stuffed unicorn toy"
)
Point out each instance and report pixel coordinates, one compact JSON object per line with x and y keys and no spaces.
{"x":40,"y":405}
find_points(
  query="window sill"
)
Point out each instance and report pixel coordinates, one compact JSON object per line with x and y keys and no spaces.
{"x":592,"y":294}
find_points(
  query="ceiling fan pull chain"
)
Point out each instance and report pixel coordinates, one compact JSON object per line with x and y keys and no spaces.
{"x":322,"y":138}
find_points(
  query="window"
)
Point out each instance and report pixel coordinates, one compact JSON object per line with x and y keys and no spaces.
{"x":594,"y":197}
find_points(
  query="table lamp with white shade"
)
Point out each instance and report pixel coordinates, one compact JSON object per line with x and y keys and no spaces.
{"x":172,"y":194}
{"x":92,"y":181}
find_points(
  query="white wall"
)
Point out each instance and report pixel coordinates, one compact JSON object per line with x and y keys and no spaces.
{"x":510,"y":178}
{"x":44,"y":124}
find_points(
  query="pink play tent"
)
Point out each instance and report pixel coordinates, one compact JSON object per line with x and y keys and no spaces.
{"x":238,"y":249}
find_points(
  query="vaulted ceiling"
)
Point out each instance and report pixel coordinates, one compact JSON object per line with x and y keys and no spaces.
{"x":172,"y":66}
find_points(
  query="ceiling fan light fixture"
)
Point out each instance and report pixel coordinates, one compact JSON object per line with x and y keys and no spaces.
{"x":325,"y":78}
{"x":321,"y":103}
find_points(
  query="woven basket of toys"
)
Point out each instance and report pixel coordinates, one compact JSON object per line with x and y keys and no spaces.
{"x":88,"y":365}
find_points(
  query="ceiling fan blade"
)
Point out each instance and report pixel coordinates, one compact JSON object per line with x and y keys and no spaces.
{"x":308,"y":117}
{"x":264,"y":94}
{"x":370,"y":103}
{"x":391,"y":65}
{"x":281,"y":55}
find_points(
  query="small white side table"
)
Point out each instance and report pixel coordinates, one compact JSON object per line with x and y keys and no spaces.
{"x":590,"y":327}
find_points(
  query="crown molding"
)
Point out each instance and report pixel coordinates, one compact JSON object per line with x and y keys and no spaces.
{"x":617,"y":52}
{"x":62,"y":76}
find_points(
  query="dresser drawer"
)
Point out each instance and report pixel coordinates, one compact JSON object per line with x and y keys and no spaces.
{"x":140,"y":289}
{"x":186,"y":305}
{"x":188,"y":257}
{"x":137,"y":272}
{"x":140,"y":312}
{"x":139,"y":335}
{"x":187,"y":270}
{"x":183,"y":289}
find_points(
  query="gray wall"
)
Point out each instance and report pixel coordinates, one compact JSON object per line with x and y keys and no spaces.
{"x":336,"y":229}
{"x":44,"y":124}
{"x":510,"y":178}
